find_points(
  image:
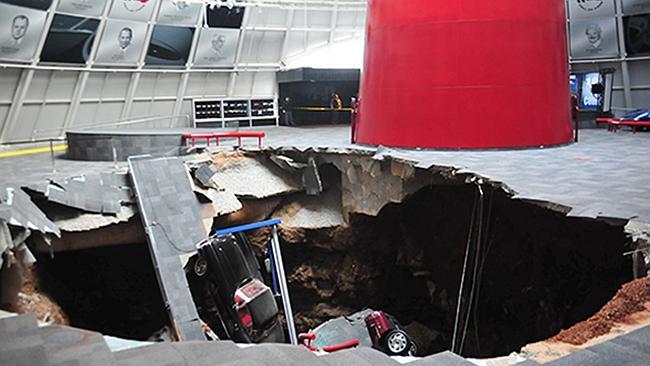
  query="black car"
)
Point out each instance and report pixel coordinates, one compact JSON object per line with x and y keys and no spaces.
{"x":229,"y":291}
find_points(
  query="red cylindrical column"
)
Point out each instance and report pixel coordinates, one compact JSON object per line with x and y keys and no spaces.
{"x":465,"y":74}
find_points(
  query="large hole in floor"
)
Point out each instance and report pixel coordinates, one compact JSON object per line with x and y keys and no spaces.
{"x":534,"y":273}
{"x":538,"y":271}
{"x":112,"y":290}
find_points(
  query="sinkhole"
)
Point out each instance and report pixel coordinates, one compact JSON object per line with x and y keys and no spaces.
{"x":460,"y":264}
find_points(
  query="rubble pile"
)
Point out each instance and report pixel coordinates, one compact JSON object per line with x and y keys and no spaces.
{"x":632,"y":298}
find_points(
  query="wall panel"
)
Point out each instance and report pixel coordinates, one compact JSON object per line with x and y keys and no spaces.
{"x":50,"y":94}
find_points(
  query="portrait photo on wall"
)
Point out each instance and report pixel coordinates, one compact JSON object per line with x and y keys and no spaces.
{"x":122,"y":43}
{"x":34,"y":4}
{"x":23,"y":28}
{"x":89,"y":8}
{"x":594,"y":38}
{"x":70,"y":39}
{"x":591,"y":8}
{"x":137,"y":10}
{"x":179,"y":12}
{"x":169,"y":46}
{"x":217,"y":47}
{"x":223,"y":17}
{"x":631,"y":7}
{"x":637,"y":34}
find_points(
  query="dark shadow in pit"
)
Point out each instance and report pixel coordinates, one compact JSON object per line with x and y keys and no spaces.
{"x":111,"y":290}
{"x":540,"y":271}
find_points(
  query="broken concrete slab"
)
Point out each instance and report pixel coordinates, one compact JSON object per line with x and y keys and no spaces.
{"x":252,"y":211}
{"x":216,"y":202}
{"x":311,"y":178}
{"x":442,"y":359}
{"x":253,"y":177}
{"x":170,"y":214}
{"x":98,"y":193}
{"x":73,"y":220}
{"x":369,"y":184}
{"x":362,"y":356}
{"x":343,"y":329}
{"x":312,"y":212}
{"x":17,"y":209}
{"x":204,"y":175}
{"x":6,"y":242}
{"x":66,"y":346}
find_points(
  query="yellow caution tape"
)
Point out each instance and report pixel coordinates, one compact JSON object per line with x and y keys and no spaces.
{"x":322,"y":109}
{"x":32,"y":151}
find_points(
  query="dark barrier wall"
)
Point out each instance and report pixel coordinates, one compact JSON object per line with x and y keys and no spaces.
{"x":465,"y":74}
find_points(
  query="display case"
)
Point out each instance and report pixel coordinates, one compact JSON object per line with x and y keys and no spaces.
{"x":207,"y":110}
{"x":227,"y":113}
{"x":262,"y":108}
{"x":235,"y":108}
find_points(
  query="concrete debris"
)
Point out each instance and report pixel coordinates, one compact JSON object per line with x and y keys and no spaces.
{"x":221,"y":203}
{"x":84,"y":221}
{"x":342,"y":329}
{"x":204,"y":175}
{"x":311,"y":178}
{"x":254,"y":178}
{"x":216,"y":203}
{"x":6,"y":242}
{"x":287,"y":163}
{"x":99,"y":193}
{"x":170,"y":211}
{"x":369,"y":184}
{"x":639,"y":232}
{"x":17,"y":209}
{"x":312,"y":212}
{"x":252,"y":211}
{"x":124,"y":233}
{"x":549,"y":205}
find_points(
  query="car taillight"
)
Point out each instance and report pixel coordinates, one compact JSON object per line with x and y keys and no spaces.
{"x":244,"y":296}
{"x":245,"y":317}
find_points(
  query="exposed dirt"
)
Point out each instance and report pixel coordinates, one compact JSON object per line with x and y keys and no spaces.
{"x":32,"y":300}
{"x":225,"y":160}
{"x":632,"y":298}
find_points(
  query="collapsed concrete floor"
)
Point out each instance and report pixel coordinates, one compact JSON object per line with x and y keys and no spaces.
{"x":539,"y":272}
{"x":359,"y":233}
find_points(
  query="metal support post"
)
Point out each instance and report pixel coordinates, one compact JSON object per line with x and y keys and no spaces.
{"x":284,"y":288}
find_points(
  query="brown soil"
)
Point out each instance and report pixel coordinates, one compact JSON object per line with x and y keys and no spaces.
{"x":630,"y":299}
{"x":224,"y":160}
{"x":31,"y":300}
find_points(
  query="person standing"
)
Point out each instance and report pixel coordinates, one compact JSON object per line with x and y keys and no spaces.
{"x":287,"y":110}
{"x":354,"y":105}
{"x":335,"y":105}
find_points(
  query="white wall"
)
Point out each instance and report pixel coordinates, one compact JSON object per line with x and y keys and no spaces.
{"x":632,"y":76}
{"x":40,"y":101}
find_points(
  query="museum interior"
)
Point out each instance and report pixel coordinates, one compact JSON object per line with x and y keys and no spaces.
{"x":324,"y":182}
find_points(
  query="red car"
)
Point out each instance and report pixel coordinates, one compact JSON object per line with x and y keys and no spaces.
{"x":387,"y":336}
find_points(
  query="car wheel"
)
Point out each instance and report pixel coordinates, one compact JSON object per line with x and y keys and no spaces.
{"x":397,"y":342}
{"x":200,"y":267}
{"x":413,"y":350}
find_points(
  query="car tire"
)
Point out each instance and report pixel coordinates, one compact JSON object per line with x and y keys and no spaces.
{"x":200,"y":267}
{"x":413,"y":350}
{"x":396,"y":342}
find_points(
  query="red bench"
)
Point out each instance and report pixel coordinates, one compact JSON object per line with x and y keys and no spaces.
{"x":606,"y":120}
{"x":219,"y":135}
{"x":616,"y":124}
